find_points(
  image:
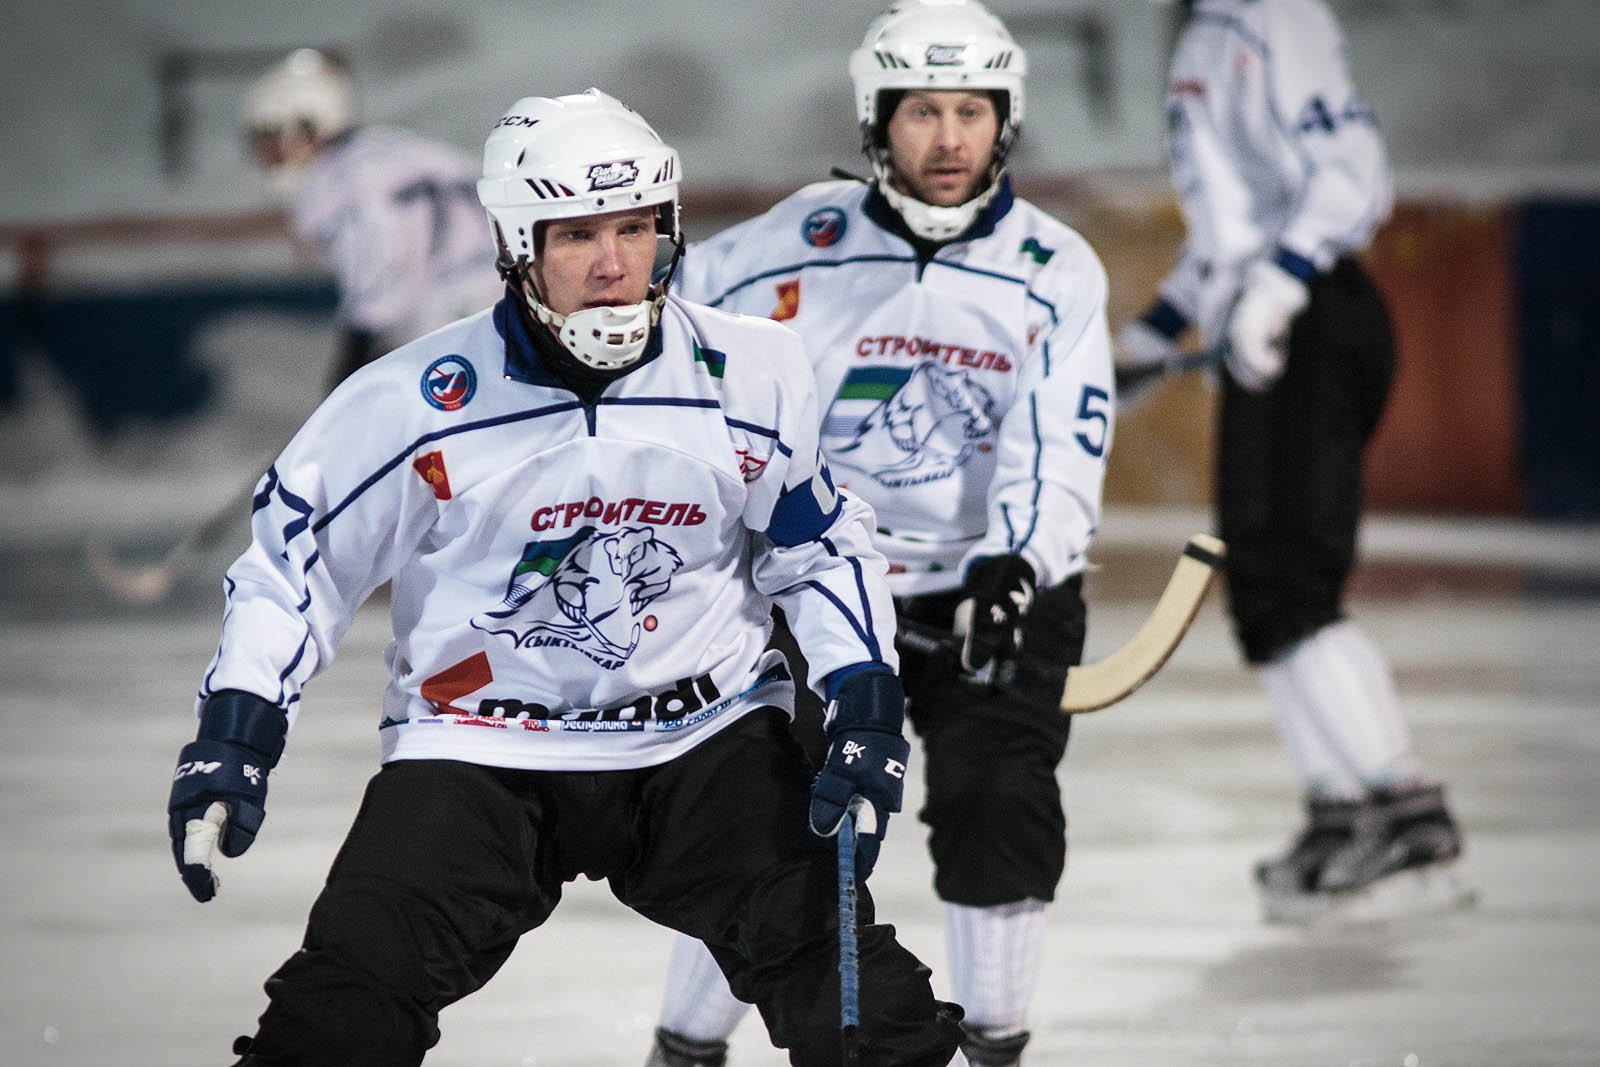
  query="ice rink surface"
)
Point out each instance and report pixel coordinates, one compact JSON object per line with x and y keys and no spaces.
{"x":1156,"y":956}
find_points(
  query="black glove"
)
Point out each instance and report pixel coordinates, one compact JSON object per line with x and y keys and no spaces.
{"x":999,"y":592}
{"x":866,"y":760}
{"x":219,"y":791}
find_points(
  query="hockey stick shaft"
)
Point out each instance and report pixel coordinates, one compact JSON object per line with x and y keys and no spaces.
{"x":849,"y":958}
{"x":1134,"y":377}
{"x":1092,"y":686}
{"x":150,"y":582}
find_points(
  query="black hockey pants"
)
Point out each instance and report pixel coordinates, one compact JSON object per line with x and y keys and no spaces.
{"x":998,"y":832}
{"x":1289,"y":466}
{"x":448,"y":864}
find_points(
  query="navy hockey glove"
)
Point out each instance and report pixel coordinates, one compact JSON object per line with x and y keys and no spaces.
{"x":999,"y":592}
{"x":219,"y":791}
{"x":866,"y":759}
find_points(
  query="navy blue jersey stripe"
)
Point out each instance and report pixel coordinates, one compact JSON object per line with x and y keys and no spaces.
{"x":439,"y":435}
{"x":803,"y":265}
{"x":865,"y":636}
{"x":866,"y":605}
{"x":871,"y":633}
{"x":833,"y":263}
{"x":1038,"y":484}
{"x":299,"y":654}
{"x":658,"y":401}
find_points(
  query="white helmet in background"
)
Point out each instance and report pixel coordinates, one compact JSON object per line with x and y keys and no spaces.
{"x":936,"y":44}
{"x":301,"y":101}
{"x":565,"y":157}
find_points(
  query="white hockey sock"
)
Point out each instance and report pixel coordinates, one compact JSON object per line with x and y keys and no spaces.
{"x":1318,"y":766}
{"x":697,"y":1003}
{"x":1344,"y":684}
{"x":994,"y":962}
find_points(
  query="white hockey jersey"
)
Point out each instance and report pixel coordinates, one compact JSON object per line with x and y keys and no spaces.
{"x":968,"y":398}
{"x":574,"y":586}
{"x":396,"y":218}
{"x":1270,"y":147}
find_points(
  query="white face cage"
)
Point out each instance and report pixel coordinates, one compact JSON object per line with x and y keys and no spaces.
{"x":567,"y":157}
{"x":936,"y":44}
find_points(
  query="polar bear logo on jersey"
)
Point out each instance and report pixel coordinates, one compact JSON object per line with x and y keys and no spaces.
{"x":923,"y":431}
{"x":594,"y":590}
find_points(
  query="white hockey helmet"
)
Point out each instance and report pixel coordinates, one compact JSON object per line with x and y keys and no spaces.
{"x":936,"y":44}
{"x":305,"y":94}
{"x":566,"y":157}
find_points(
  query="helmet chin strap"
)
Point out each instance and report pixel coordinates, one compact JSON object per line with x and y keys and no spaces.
{"x":603,"y":338}
{"x":930,"y":221}
{"x":610,"y":338}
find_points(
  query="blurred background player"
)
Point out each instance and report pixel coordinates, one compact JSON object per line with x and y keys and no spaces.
{"x":395,"y":216}
{"x":963,"y":361}
{"x":610,"y":710}
{"x":1282,"y":178}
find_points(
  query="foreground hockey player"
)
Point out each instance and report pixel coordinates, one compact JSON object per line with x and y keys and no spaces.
{"x":587,"y":499}
{"x":395,"y":216}
{"x":963,"y":361}
{"x":1282,"y":178}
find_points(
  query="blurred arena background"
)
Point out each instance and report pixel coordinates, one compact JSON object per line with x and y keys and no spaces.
{"x":160,"y":338}
{"x":151,"y":303}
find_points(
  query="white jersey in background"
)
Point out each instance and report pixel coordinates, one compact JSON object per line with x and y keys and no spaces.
{"x":967,"y":398}
{"x":571,"y":582}
{"x":396,"y":218}
{"x":1270,"y":147}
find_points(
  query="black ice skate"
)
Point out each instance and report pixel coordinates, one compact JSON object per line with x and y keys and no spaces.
{"x":984,"y":1051}
{"x":1289,"y":884}
{"x":1400,"y":860}
{"x":675,"y":1050}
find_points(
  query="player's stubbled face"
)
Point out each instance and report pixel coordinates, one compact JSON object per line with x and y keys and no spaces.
{"x":941,"y":143}
{"x":597,"y":260}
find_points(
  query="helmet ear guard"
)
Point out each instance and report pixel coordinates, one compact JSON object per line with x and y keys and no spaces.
{"x":936,"y":45}
{"x":550,"y":158}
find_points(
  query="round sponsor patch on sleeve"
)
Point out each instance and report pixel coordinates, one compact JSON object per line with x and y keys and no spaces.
{"x":824,"y":227}
{"x":449,"y":383}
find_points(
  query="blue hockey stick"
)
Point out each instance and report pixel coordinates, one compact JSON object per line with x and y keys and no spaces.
{"x":849,"y":958}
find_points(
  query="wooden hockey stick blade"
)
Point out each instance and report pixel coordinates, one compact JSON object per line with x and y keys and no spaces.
{"x":149,"y":583}
{"x":1092,"y":686}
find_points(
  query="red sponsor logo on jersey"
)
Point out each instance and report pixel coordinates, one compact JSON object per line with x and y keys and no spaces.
{"x":1189,"y":87}
{"x":479,"y":720}
{"x":788,"y":301}
{"x":925,"y":347}
{"x":431,"y":468}
{"x":616,"y":512}
{"x":749,"y":466}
